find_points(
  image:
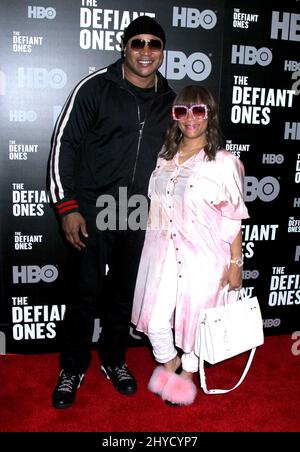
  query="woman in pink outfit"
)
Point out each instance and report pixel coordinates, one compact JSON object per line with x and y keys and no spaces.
{"x":193,"y":244}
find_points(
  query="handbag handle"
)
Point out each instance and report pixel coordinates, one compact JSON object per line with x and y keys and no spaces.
{"x":225,"y":294}
{"x":223,"y":391}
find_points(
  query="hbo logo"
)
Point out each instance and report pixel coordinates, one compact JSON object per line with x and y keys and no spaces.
{"x":193,"y":18}
{"x":273,"y":159}
{"x":267,"y":189}
{"x":34,"y":274}
{"x":39,"y":12}
{"x":22,"y":115}
{"x":177,"y":65}
{"x":250,"y":274}
{"x":269,"y":323}
{"x":39,"y":78}
{"x":250,"y":55}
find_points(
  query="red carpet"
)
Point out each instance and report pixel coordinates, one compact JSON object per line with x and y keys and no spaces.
{"x":267,"y":401}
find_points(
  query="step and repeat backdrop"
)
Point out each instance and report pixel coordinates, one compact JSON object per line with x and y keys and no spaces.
{"x":245,"y":52}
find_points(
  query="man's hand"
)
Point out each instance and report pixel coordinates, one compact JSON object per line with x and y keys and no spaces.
{"x":73,"y":225}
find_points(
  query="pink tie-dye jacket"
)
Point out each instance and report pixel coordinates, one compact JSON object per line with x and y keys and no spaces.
{"x":197,"y":208}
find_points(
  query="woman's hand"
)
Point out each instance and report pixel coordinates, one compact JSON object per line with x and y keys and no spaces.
{"x":233,"y":276}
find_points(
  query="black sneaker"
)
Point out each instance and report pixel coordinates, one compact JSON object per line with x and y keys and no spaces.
{"x":122,"y":380}
{"x":65,"y":391}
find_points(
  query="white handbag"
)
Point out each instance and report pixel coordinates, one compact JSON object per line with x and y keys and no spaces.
{"x":226,"y":331}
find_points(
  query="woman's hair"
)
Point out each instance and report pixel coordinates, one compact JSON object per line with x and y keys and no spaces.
{"x":190,"y":95}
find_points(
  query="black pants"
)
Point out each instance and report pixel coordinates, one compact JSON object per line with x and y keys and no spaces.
{"x":121,"y":251}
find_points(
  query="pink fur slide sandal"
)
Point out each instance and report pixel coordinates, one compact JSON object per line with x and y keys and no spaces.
{"x":159,"y":379}
{"x":179,"y":391}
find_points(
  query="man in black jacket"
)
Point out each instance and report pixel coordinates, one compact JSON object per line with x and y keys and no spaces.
{"x":104,"y":147}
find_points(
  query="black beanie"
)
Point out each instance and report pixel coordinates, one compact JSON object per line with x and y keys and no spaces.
{"x":144,"y":25}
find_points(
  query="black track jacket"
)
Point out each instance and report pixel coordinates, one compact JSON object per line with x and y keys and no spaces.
{"x":98,"y":144}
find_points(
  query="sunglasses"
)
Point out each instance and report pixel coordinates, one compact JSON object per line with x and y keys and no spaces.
{"x":181,"y":112}
{"x":139,"y":44}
